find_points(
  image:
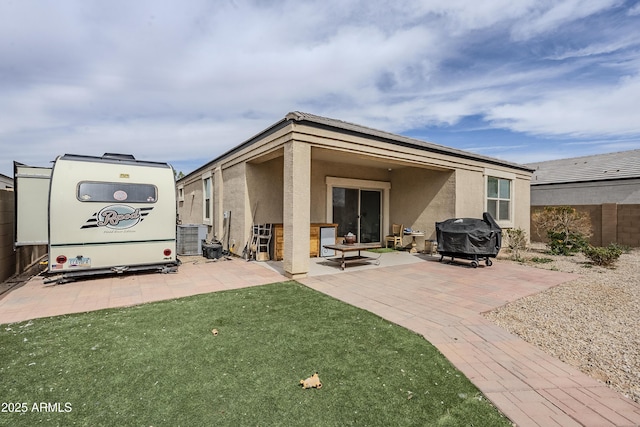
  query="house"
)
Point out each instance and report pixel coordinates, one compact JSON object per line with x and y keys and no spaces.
{"x":5,"y":182}
{"x":306,"y":169}
{"x":605,"y":186}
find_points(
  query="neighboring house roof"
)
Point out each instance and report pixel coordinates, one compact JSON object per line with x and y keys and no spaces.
{"x":5,"y":181}
{"x":600,"y":167}
{"x":346,"y":127}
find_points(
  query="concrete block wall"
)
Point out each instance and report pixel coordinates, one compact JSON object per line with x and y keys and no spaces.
{"x":611,"y":223}
{"x":629,"y":225}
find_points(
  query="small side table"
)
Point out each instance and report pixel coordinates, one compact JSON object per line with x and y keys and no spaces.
{"x":413,"y":235}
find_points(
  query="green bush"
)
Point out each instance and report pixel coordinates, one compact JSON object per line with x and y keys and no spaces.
{"x":562,"y":244}
{"x":567,"y":229}
{"x":604,"y":257}
{"x":624,"y":248}
{"x":539,"y":260}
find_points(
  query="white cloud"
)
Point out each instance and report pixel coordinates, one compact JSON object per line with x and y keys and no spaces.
{"x":190,"y":80}
{"x":635,"y":10}
{"x":578,"y":113}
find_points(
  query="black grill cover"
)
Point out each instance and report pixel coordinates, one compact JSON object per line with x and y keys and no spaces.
{"x":469,"y":236}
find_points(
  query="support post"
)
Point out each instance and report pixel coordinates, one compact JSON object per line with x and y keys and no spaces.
{"x":296,"y":208}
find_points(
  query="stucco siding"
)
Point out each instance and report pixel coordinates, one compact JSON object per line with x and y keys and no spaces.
{"x":265,"y":187}
{"x":522,"y":205}
{"x":420,"y":197}
{"x":234,"y":200}
{"x":190,"y":207}
{"x":470,"y":194}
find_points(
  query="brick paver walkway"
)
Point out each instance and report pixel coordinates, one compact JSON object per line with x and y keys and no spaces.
{"x":442,"y":302}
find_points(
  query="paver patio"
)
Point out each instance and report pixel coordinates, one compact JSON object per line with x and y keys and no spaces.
{"x":439,"y":301}
{"x":196,"y":276}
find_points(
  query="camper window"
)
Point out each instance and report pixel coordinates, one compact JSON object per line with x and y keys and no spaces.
{"x":117,"y":192}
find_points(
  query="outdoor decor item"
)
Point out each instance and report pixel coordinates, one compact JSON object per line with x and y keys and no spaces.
{"x":469,"y":238}
{"x":312,"y":382}
{"x":350,"y":238}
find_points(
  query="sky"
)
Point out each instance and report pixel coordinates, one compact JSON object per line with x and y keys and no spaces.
{"x":185,"y":81}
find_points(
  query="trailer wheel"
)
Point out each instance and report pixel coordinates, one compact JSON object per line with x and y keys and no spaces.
{"x":489,"y":263}
{"x":474,"y":264}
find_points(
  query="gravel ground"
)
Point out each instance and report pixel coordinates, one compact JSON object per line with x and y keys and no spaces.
{"x":592,"y":323}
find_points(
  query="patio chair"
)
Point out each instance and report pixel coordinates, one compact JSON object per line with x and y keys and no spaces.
{"x":396,"y":236}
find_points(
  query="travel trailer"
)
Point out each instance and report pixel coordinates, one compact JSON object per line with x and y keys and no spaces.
{"x":109,"y":214}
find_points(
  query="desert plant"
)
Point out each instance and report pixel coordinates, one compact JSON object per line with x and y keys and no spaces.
{"x":516,"y":242}
{"x":567,"y":229}
{"x":566,"y":244}
{"x":604,"y":257}
{"x":625,"y":249}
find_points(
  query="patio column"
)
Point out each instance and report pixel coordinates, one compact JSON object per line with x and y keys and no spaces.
{"x":296,"y":208}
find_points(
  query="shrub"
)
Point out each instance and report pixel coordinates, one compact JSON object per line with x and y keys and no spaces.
{"x":604,"y":257}
{"x":538,"y":260}
{"x":624,"y":248}
{"x":516,"y":241}
{"x":566,"y":244}
{"x":568,"y":230}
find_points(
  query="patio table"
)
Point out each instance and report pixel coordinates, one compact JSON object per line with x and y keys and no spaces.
{"x":353,"y":247}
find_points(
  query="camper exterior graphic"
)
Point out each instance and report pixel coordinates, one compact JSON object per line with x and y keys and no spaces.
{"x":110,"y":214}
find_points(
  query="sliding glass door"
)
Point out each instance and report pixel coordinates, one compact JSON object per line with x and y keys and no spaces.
{"x":359,"y":212}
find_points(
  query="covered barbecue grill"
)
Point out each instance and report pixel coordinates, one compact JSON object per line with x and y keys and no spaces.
{"x":469,"y":238}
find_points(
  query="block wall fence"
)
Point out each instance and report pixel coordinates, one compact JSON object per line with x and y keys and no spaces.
{"x":611,"y":223}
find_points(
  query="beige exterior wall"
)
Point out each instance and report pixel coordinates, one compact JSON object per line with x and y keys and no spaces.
{"x":265,"y":186}
{"x":235,"y":200}
{"x":522,"y":205}
{"x":190,"y":205}
{"x":470,"y":194}
{"x":420,"y":197}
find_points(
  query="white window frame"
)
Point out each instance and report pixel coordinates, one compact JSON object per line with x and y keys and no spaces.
{"x":181,"y":193}
{"x":207,"y":176}
{"x":493,"y":173}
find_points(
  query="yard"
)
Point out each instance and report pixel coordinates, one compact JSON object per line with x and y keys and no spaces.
{"x":590,"y":323}
{"x":160,"y":364}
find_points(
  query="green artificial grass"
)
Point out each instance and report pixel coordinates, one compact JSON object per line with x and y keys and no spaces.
{"x":159,"y":364}
{"x":383,"y":250}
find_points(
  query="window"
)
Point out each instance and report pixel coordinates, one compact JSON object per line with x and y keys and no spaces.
{"x":181,"y":193}
{"x":117,"y":192}
{"x":499,"y":198}
{"x":207,"y":198}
